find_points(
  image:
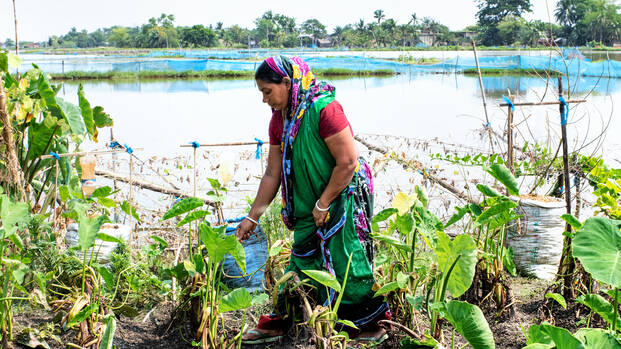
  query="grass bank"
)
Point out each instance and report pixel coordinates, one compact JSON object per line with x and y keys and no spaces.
{"x":496,"y":71}
{"x":205,"y":74}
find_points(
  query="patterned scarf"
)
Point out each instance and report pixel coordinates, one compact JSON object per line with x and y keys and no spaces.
{"x":305,"y":91}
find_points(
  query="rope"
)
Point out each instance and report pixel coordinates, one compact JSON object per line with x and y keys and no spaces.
{"x":259,"y":150}
{"x":195,"y":144}
{"x":509,"y":102}
{"x":565,"y":112}
{"x":55,"y":155}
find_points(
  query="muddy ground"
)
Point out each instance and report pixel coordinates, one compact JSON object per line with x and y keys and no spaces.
{"x":148,"y":330}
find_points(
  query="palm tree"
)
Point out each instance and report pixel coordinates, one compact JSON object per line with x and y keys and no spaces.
{"x":337,"y":35}
{"x":379,"y":15}
{"x":413,"y":20}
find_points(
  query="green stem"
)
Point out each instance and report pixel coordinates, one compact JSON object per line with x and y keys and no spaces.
{"x":616,"y":303}
{"x":83,"y":272}
{"x":413,"y":255}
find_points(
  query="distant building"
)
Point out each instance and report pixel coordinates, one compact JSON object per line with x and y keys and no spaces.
{"x":31,"y":45}
{"x":428,"y":39}
{"x":466,"y":35}
{"x":327,"y":42}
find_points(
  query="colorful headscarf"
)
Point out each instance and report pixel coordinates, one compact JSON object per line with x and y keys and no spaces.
{"x":305,"y":90}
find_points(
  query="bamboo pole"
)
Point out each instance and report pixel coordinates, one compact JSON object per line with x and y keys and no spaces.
{"x":94,"y":152}
{"x":55,"y":196}
{"x":510,"y":135}
{"x":542,"y":103}
{"x":487,"y":124}
{"x":131,"y":196}
{"x":220,"y":144}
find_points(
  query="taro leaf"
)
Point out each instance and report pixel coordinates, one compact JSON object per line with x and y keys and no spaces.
{"x":536,"y":335}
{"x":507,"y":260}
{"x":215,"y":184}
{"x":597,"y":338}
{"x":87,"y":112}
{"x":102,"y":192}
{"x":101,"y":118}
{"x":324,"y":278}
{"x":384,"y":215}
{"x":402,"y":202}
{"x":199,"y":263}
{"x":260,"y":298}
{"x":539,"y":346}
{"x":126,"y":310}
{"x":562,"y":337}
{"x":558,"y":298}
{"x":107,"y":202}
{"x":183,"y":206}
{"x":13,"y":215}
{"x":73,"y":116}
{"x":348,"y":323}
{"x":469,"y":320}
{"x":108,"y":336}
{"x":572,"y":220}
{"x":611,"y":293}
{"x":49,"y":96}
{"x":275,"y":250}
{"x":404,"y":223}
{"x":427,"y":342}
{"x":108,"y":238}
{"x":402,"y":279}
{"x":219,"y":245}
{"x":192,"y":216}
{"x":238,"y":299}
{"x":161,"y":241}
{"x":107,"y":276}
{"x":600,"y":306}
{"x":448,"y":251}
{"x":494,"y":210}
{"x":456,"y":217}
{"x":598,"y":247}
{"x":393,"y":242}
{"x":387,"y":288}
{"x":504,"y":176}
{"x":421,"y":195}
{"x":125,"y":207}
{"x":487,"y":191}
{"x":87,"y":230}
{"x":39,"y":134}
{"x":416,"y":302}
{"x":82,"y":315}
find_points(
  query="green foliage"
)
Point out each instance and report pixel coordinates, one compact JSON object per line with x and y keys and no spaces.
{"x":459,"y":254}
{"x":183,"y":206}
{"x":598,"y":247}
{"x":546,"y":336}
{"x":558,"y":298}
{"x":470,"y":322}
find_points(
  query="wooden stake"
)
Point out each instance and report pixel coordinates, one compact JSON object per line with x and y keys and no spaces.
{"x":487,"y":124}
{"x":131,"y":196}
{"x":55,"y":196}
{"x":510,"y":136}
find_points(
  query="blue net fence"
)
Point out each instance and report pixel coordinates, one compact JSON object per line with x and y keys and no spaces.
{"x":575,"y":64}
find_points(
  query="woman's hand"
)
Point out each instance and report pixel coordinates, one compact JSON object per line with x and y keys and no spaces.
{"x":245,"y":229}
{"x":321,"y":214}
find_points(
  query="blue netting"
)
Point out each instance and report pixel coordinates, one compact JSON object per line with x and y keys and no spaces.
{"x":575,"y":64}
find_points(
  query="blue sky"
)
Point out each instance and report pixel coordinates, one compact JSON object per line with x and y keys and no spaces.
{"x":37,"y":19}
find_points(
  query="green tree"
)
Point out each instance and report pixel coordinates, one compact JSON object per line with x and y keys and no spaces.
{"x":198,"y":36}
{"x":379,"y":15}
{"x":602,"y":24}
{"x":314,"y":28}
{"x":8,"y":43}
{"x":569,"y":13}
{"x":492,"y":12}
{"x":119,"y":37}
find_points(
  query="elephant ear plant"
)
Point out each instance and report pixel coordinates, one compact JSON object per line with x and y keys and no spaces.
{"x":201,"y":273}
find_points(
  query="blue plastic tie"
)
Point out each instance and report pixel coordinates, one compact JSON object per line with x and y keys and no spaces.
{"x":487,"y":125}
{"x":195,"y":144}
{"x":259,"y":150}
{"x":128,"y":148}
{"x":114,"y":144}
{"x":509,"y":102}
{"x":565,"y":113}
{"x":55,"y":155}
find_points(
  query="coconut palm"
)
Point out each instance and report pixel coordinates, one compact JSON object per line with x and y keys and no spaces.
{"x":379,"y":15}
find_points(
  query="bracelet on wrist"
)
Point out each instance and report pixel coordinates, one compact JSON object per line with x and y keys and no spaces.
{"x":319,"y":208}
{"x":252,"y":220}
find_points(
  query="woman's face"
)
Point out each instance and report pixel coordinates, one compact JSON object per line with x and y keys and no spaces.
{"x":275,"y":95}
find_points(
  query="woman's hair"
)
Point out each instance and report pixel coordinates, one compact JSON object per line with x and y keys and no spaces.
{"x":265,"y":73}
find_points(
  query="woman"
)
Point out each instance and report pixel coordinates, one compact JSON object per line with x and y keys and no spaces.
{"x":327,"y":194}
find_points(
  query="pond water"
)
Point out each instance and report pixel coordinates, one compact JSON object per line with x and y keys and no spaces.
{"x":161,"y":115}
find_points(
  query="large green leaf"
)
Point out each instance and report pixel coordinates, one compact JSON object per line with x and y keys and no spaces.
{"x":4,"y":62}
{"x":558,"y":298}
{"x":597,"y":338}
{"x":469,"y":320}
{"x":130,"y":210}
{"x":219,"y":245}
{"x":448,"y":251}
{"x":192,"y":216}
{"x":48,"y":94}
{"x":457,"y":216}
{"x":536,"y":335}
{"x":504,"y":176}
{"x":87,"y":230}
{"x":87,"y":112}
{"x":14,"y":215}
{"x":389,"y":287}
{"x":82,"y":314}
{"x":39,"y":134}
{"x":562,"y":338}
{"x":600,"y":306}
{"x":404,"y":223}
{"x":392,"y":241}
{"x":324,"y":278}
{"x":487,"y":191}
{"x":183,"y":206}
{"x":572,"y":220}
{"x":384,"y":215}
{"x":496,"y":209}
{"x":101,"y":118}
{"x":598,"y":247}
{"x":108,"y":336}
{"x":238,"y":299}
{"x":73,"y":116}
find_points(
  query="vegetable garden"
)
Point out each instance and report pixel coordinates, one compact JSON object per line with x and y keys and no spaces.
{"x":447,"y":272}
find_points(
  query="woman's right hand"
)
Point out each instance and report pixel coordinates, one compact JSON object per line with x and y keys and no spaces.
{"x":245,"y":229}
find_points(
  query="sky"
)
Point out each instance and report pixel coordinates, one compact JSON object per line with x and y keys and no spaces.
{"x":38,"y":19}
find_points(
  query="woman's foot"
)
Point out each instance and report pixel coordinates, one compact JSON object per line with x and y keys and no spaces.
{"x":260,"y":336}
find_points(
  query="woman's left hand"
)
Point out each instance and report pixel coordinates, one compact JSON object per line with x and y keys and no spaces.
{"x":321,"y":217}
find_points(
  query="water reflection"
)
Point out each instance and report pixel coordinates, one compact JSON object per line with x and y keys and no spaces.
{"x":161,"y":115}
